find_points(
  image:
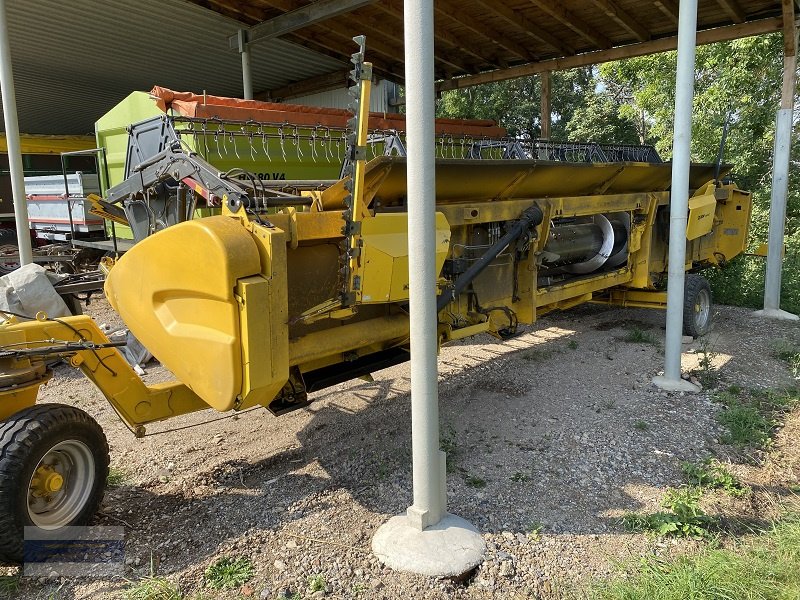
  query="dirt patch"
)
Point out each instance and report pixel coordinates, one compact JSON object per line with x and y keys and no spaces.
{"x":552,"y":436}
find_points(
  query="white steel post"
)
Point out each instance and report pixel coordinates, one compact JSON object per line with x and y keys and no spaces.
{"x":429,"y":505}
{"x":679,"y":198}
{"x":247,"y":74}
{"x":780,"y":187}
{"x":426,"y":539}
{"x":13,"y":143}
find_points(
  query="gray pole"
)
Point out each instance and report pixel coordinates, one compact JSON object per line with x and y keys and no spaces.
{"x":780,"y":187}
{"x":12,"y":140}
{"x":679,"y":197}
{"x":247,"y":74}
{"x":426,"y":539}
{"x":429,"y":505}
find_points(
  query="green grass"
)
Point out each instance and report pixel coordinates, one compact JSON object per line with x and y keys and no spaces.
{"x":317,"y":583}
{"x":116,"y":477}
{"x":711,"y":474}
{"x":9,"y":585}
{"x":228,"y":573}
{"x":637,"y":335}
{"x":475,"y":481}
{"x":790,"y":354}
{"x":766,"y":567}
{"x":572,"y":345}
{"x":520,"y":477}
{"x":537,"y":355}
{"x":152,"y":588}
{"x":641,"y":425}
{"x":683,"y":518}
{"x":751,"y":418}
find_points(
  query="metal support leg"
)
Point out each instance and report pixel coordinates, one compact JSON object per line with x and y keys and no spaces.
{"x":247,"y":74}
{"x":426,"y":539}
{"x":13,"y":143}
{"x":679,"y":199}
{"x":545,"y":128}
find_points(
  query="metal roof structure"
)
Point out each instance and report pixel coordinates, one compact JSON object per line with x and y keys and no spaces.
{"x":74,"y":61}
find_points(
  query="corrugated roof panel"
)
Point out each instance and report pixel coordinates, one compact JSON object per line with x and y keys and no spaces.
{"x":74,"y":61}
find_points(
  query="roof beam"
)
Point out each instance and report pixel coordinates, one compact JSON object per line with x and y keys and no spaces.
{"x":669,"y":8}
{"x":482,"y":29}
{"x":466,"y":47}
{"x":707,"y":36}
{"x":578,"y":25}
{"x":734,"y":11}
{"x":518,"y":20}
{"x":623,"y":19}
{"x":299,"y":18}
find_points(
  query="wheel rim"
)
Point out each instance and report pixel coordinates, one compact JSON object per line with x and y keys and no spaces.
{"x":8,"y":265}
{"x":702,"y":309}
{"x":61,"y":485}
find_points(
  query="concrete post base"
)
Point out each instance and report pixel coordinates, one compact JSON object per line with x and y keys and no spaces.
{"x":450,"y":548}
{"x":675,"y":385}
{"x":776,"y":313}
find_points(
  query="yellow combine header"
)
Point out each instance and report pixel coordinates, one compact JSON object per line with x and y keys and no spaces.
{"x":296,"y":287}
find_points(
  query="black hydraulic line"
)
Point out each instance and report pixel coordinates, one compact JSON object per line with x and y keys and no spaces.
{"x":530,"y":217}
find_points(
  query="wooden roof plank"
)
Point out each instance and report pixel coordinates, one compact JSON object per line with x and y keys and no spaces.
{"x":518,"y":20}
{"x":623,"y":19}
{"x":575,"y":23}
{"x":733,"y":10}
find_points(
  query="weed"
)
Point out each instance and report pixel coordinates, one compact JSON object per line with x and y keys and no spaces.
{"x":790,"y":354}
{"x":609,"y":403}
{"x":706,"y":372}
{"x":711,"y":474}
{"x":534,"y":530}
{"x":228,"y":573}
{"x":746,"y":425}
{"x":475,"y":481}
{"x":449,"y":445}
{"x":684,"y":519}
{"x":317,"y":583}
{"x":641,"y":425}
{"x":9,"y":585}
{"x":734,"y":390}
{"x":520,"y":477}
{"x":572,"y":345}
{"x":537,"y":355}
{"x":637,"y":335}
{"x":357,"y":589}
{"x":152,"y":588}
{"x":116,"y":477}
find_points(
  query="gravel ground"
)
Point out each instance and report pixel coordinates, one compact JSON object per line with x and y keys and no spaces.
{"x":551,"y":437}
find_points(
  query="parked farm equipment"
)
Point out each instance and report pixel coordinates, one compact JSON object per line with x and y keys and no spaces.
{"x":299,"y":285}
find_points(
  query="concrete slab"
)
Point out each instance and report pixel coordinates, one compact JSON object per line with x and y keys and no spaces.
{"x":776,"y":313}
{"x":675,"y":385}
{"x":450,"y":548}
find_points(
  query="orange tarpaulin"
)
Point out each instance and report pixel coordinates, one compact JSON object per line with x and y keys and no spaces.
{"x":198,"y":106}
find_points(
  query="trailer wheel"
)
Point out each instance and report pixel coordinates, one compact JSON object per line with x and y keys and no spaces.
{"x":697,"y":300}
{"x":8,"y":245}
{"x":53,"y":471}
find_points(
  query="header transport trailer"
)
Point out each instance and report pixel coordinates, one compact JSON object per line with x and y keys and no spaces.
{"x":294,"y":287}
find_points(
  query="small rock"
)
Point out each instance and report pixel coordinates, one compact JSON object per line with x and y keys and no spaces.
{"x":687,"y":339}
{"x":291,"y":544}
{"x":506,"y":568}
{"x":280,"y":565}
{"x":246,"y":591}
{"x":266,"y":594}
{"x":318,"y":594}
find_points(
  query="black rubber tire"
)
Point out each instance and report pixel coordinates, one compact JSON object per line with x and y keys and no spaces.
{"x":25,"y":438}
{"x":8,"y":237}
{"x":698,"y":305}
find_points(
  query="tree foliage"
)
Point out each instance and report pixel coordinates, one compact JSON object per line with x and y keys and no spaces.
{"x":632,"y":101}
